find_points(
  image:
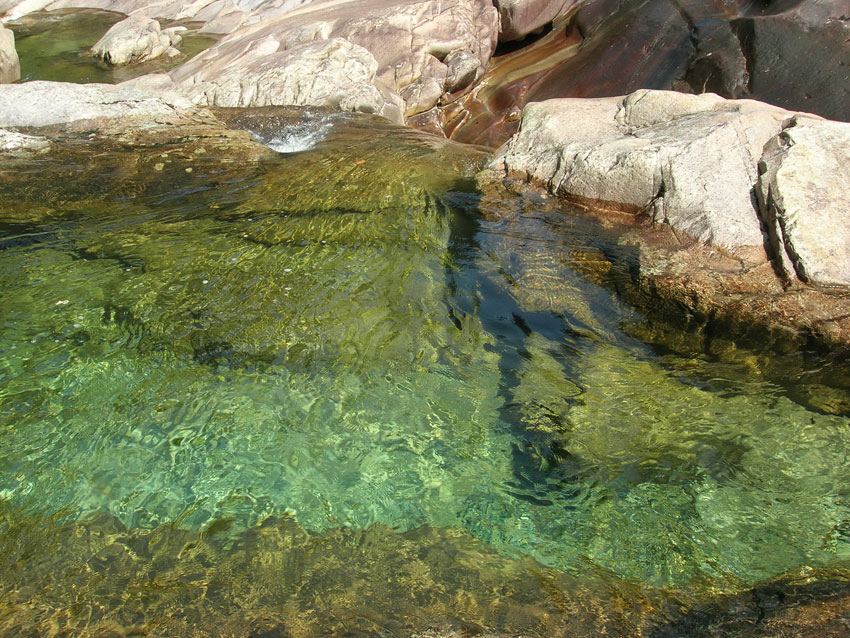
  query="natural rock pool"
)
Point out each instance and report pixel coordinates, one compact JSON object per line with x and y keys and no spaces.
{"x":343,"y":390}
{"x":55,"y":46}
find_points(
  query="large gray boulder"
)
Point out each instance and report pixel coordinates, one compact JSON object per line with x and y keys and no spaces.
{"x":748,"y":203}
{"x":688,"y":161}
{"x":804,"y":191}
{"x":736,"y":174}
{"x":10,"y":66}
{"x":137,"y":39}
{"x":424,"y":49}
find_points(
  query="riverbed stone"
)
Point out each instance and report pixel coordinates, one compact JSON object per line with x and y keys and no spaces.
{"x":10,"y":66}
{"x":137,"y":39}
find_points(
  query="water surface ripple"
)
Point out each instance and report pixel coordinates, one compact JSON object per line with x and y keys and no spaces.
{"x":352,"y":344}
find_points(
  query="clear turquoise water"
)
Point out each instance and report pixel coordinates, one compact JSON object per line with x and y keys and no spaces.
{"x":402,"y":351}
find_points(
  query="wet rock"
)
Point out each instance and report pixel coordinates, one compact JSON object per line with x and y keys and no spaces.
{"x":804,"y":189}
{"x":10,"y":66}
{"x":798,"y":56}
{"x":518,"y":18}
{"x":137,"y":39}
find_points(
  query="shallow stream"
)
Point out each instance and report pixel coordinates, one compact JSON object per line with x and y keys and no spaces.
{"x":343,"y":390}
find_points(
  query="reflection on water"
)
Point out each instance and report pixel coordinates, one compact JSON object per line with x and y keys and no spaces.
{"x":342,"y":389}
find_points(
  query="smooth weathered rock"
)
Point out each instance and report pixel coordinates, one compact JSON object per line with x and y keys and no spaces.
{"x":332,"y":73}
{"x":35,"y":104}
{"x":10,"y":66}
{"x":688,"y":161}
{"x":137,"y":39}
{"x":804,"y":191}
{"x":518,"y":18}
{"x":422,"y":50}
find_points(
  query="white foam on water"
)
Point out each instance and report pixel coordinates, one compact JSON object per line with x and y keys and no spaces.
{"x":298,"y":137}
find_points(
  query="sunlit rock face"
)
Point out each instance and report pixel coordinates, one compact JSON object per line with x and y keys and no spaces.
{"x":736,"y":199}
{"x":390,"y":58}
{"x":216,"y":16}
{"x":36,"y":104}
{"x":407,"y":55}
{"x":430,"y":64}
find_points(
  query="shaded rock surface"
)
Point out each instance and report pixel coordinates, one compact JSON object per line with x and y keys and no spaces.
{"x":10,"y":66}
{"x":137,"y":39}
{"x":518,"y":18}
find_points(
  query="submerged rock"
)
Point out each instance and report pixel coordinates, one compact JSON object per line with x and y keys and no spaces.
{"x":15,"y":142}
{"x":10,"y":66}
{"x":137,"y":39}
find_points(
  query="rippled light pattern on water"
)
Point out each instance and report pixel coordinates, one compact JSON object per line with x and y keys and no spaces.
{"x":393,"y":352}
